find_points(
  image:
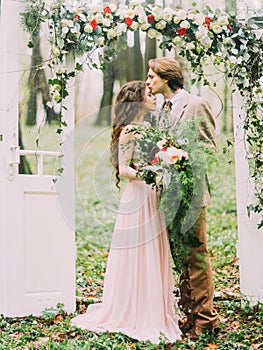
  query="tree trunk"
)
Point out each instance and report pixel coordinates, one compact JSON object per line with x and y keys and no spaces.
{"x":104,"y":115}
{"x":134,"y":68}
{"x":121,"y":67}
{"x":150,"y":52}
{"x":37,"y":83}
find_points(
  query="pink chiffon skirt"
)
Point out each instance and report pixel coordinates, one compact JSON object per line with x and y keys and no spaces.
{"x":138,"y":295}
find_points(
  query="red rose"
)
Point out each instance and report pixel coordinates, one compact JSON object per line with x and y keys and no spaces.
{"x":208,"y":20}
{"x":107,"y":9}
{"x":94,"y":24}
{"x":229,"y":27}
{"x":150,"y":18}
{"x":128,"y":21}
{"x":75,"y":18}
{"x":181,"y":31}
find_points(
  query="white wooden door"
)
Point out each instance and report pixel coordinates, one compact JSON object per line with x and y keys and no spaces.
{"x":37,"y":246}
{"x":250,"y":238}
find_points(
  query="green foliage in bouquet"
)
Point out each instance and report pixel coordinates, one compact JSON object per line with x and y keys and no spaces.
{"x":174,"y":162}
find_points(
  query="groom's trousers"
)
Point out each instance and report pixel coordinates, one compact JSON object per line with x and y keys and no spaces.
{"x":197,"y":287}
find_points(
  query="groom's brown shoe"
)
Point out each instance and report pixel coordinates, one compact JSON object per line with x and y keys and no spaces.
{"x":186,"y":325}
{"x":195,"y":332}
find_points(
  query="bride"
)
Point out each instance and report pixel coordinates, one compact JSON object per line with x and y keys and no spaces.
{"x":138,"y":295}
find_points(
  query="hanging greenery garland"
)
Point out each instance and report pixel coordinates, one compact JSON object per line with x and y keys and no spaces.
{"x":199,"y":35}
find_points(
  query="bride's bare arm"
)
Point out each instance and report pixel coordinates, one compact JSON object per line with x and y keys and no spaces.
{"x":126,"y":149}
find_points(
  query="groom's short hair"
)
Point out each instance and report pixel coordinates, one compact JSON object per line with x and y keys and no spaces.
{"x":169,"y":69}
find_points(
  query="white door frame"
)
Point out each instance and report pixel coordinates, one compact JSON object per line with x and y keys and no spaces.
{"x":37,"y":240}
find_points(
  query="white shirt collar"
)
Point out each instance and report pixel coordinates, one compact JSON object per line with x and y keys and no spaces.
{"x":177,"y":96}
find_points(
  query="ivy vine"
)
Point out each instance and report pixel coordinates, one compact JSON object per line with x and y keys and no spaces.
{"x":199,"y":35}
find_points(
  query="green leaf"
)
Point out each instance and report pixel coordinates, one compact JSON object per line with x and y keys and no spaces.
{"x":30,"y":44}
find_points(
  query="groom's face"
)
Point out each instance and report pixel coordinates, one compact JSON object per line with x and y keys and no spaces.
{"x":155,"y":83}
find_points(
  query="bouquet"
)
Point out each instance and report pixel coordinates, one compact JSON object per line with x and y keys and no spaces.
{"x":175,"y":166}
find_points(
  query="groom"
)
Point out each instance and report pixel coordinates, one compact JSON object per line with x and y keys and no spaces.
{"x":196,"y":288}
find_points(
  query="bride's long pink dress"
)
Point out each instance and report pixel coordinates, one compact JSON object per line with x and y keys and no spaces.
{"x":138,"y":289}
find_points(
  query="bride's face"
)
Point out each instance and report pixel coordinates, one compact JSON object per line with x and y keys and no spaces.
{"x":149,"y":100}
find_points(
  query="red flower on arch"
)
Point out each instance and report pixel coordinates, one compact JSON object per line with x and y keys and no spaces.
{"x":94,"y":24}
{"x":181,"y":31}
{"x":208,"y":20}
{"x":107,"y":9}
{"x":128,"y":21}
{"x":150,"y":18}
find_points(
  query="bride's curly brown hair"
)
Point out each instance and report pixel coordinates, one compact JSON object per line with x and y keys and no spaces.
{"x":126,"y":109}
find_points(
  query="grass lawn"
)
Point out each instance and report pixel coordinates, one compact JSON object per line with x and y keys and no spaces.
{"x":96,"y":204}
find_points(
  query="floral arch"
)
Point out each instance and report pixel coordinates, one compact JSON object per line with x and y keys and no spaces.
{"x":199,"y":35}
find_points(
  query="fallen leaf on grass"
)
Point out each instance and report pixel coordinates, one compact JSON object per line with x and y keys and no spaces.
{"x":235,"y":324}
{"x":58,"y":319}
{"x":210,"y":346}
{"x":58,"y":336}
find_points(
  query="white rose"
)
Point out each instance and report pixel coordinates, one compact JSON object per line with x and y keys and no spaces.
{"x":101,"y":41}
{"x":142,"y":19}
{"x":134,"y":26}
{"x":199,"y":19}
{"x":122,"y":11}
{"x":199,"y":35}
{"x":65,"y":30}
{"x":161,"y":25}
{"x":223,"y":20}
{"x":157,"y":12}
{"x":206,"y":42}
{"x":184,"y":24}
{"x":152,"y":33}
{"x":203,"y":30}
{"x":88,"y":28}
{"x":82,"y":17}
{"x":145,"y":26}
{"x":77,"y":11}
{"x":216,"y":28}
{"x":96,"y":8}
{"x":181,"y":14}
{"x":232,"y":59}
{"x":106,"y":22}
{"x":191,"y":15}
{"x":70,"y":23}
{"x":121,"y":28}
{"x":130,"y":13}
{"x":176,"y":19}
{"x":190,"y":46}
{"x":119,"y":31}
{"x":135,"y":3}
{"x":139,"y":11}
{"x":177,"y":40}
{"x":167,"y":14}
{"x":111,"y":33}
{"x":98,"y":17}
{"x":64,"y":23}
{"x":227,"y":41}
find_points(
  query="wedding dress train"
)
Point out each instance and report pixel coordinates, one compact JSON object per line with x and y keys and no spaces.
{"x":138,"y":295}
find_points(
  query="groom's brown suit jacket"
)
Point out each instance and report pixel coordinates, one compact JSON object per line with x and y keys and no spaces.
{"x":190,"y":107}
